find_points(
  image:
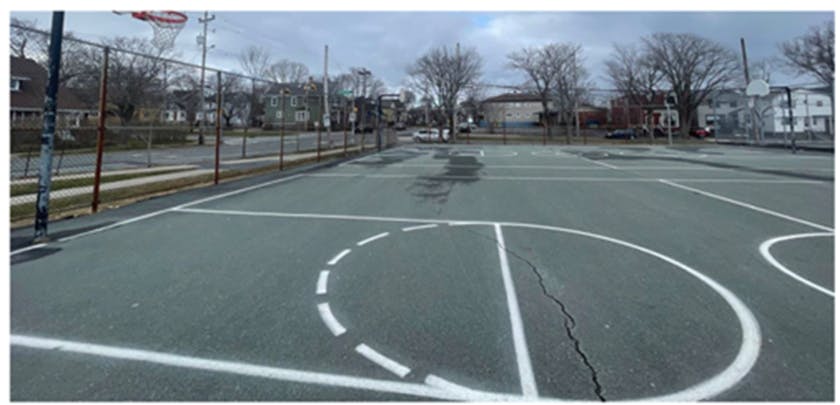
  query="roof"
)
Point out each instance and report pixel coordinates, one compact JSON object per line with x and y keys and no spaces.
{"x":513,"y":97}
{"x":33,"y":79}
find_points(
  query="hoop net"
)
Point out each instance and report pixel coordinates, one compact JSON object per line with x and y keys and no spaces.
{"x":166,"y":25}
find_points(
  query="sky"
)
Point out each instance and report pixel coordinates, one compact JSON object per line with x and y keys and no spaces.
{"x":388,"y":42}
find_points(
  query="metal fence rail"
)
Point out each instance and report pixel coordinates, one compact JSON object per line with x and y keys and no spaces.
{"x":132,"y":124}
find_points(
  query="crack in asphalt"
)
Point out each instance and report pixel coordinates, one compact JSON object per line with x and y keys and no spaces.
{"x":569,"y":322}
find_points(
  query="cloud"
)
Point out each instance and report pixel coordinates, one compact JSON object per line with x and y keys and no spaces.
{"x":388,"y":42}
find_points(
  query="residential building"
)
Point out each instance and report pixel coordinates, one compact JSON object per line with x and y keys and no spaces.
{"x":513,"y":110}
{"x":26,"y":102}
{"x":728,"y":111}
{"x":626,"y":113}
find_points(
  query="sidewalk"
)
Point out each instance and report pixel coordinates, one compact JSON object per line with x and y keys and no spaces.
{"x":155,"y":169}
{"x":139,"y":181}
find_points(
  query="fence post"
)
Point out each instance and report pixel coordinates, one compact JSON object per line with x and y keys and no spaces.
{"x":100,"y":128}
{"x":282,"y":125}
{"x":149,"y":147}
{"x":60,"y":159}
{"x":28,"y":157}
{"x":318,"y":146}
{"x":218,"y":124}
{"x":504,"y":132}
{"x":344,"y":125}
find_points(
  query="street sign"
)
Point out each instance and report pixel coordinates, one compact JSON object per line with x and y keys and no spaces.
{"x":346,"y":92}
{"x":352,"y":117}
{"x":326,"y":120}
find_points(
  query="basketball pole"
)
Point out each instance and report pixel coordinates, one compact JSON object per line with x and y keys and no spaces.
{"x":48,"y":135}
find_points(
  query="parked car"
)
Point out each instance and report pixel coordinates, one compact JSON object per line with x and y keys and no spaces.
{"x":700,"y":132}
{"x":467,"y":127}
{"x":627,"y":133}
{"x":429,"y":135}
{"x":400,"y":126}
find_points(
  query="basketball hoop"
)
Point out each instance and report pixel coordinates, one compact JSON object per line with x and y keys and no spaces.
{"x":166,"y":25}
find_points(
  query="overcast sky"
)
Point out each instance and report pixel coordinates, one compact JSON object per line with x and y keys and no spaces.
{"x":388,"y":42}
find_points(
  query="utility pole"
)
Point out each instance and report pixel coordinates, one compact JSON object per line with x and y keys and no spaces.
{"x":455,"y":107}
{"x":327,"y":98}
{"x":751,"y":105}
{"x":203,"y":38}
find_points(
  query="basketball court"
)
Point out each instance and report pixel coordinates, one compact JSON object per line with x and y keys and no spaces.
{"x":462,"y":272}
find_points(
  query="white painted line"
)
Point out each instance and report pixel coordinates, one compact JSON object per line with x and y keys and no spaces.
{"x":418,"y":227}
{"x":749,"y":206}
{"x":600,"y":163}
{"x":322,"y":282}
{"x":750,"y":331}
{"x":311,"y":216}
{"x":520,"y":345}
{"x":465,"y":393}
{"x":175,"y":208}
{"x":383,"y":361}
{"x":572,"y":179}
{"x":765,"y":251}
{"x":749,"y":181}
{"x":338,"y":257}
{"x":372,"y":238}
{"x":250,"y":370}
{"x":28,"y":248}
{"x":326,"y":315}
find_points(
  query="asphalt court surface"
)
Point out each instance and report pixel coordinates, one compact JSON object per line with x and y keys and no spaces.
{"x":452,"y":272}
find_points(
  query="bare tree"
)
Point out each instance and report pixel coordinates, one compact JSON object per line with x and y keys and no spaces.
{"x":255,"y":62}
{"x":235,"y":98}
{"x":446,"y":75}
{"x":542,"y":66}
{"x":286,"y":71}
{"x":571,"y":87}
{"x":693,"y":67}
{"x":635,"y":77}
{"x":134,"y":81}
{"x":25,"y":41}
{"x":812,"y":53}
{"x":22,"y":39}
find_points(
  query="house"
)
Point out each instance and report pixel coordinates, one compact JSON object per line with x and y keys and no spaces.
{"x":728,"y":111}
{"x":293,"y":105}
{"x":590,"y":116}
{"x":811,"y":112}
{"x":624,"y":112}
{"x":512,"y":110}
{"x":26,"y":102}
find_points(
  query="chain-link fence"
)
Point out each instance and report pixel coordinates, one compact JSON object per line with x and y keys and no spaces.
{"x":784,"y":116}
{"x":158,"y":131}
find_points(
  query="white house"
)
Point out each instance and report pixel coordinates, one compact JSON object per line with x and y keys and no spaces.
{"x":811,"y":112}
{"x":728,"y":112}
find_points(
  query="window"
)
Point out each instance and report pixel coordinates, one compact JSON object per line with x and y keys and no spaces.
{"x":15,"y":85}
{"x":733,"y":104}
{"x":279,"y":114}
{"x":294,"y":101}
{"x":301,"y":116}
{"x":814,"y":120}
{"x":819,"y":103}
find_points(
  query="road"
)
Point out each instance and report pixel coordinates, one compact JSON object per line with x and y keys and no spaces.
{"x":202,"y":156}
